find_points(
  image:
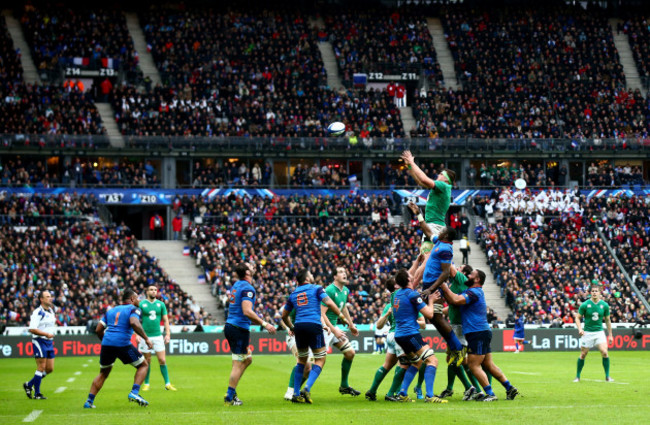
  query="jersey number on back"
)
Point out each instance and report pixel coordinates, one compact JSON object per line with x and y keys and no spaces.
{"x":395,"y":305}
{"x":117,"y":317}
{"x":302,"y":299}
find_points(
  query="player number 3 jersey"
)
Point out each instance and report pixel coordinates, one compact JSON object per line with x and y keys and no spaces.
{"x":152,"y":314}
{"x":593,"y":314}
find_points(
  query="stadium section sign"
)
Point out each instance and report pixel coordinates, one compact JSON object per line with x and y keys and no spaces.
{"x":263,"y":343}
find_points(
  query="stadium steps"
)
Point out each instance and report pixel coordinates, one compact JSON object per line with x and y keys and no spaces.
{"x":478,"y":260}
{"x":443,"y":53}
{"x":182,"y":269}
{"x":147,"y":64}
{"x":108,"y":121}
{"x":632,"y":78}
{"x":408,"y":121}
{"x":30,"y":72}
{"x":329,"y":58}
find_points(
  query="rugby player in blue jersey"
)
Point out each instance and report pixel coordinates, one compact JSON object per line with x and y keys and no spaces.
{"x":237,"y":329}
{"x":115,"y":330}
{"x":406,"y":306}
{"x":433,"y":273}
{"x":478,"y":334}
{"x":308,"y":329}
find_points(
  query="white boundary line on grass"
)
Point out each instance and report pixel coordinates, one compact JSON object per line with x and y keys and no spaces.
{"x":60,"y":390}
{"x":32,"y":416}
{"x":77,"y":373}
{"x":602,"y":380}
{"x":70,"y":380}
{"x":524,"y":373}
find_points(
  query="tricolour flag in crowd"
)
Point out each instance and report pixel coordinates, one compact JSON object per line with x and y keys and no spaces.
{"x":81,"y":61}
{"x":186,"y":250}
{"x":107,"y":63}
{"x":201,"y":278}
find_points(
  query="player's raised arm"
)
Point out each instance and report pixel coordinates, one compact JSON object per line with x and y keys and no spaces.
{"x":416,"y":172}
{"x":423,"y":225}
{"x":247,"y":309}
{"x":445,"y":267}
{"x":452,"y":298}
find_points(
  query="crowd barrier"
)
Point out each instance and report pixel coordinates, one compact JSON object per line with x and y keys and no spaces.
{"x":198,"y":343}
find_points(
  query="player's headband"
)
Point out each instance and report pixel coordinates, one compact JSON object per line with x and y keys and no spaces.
{"x":444,"y":173}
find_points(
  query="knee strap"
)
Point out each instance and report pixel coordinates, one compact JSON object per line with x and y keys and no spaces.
{"x":403,"y":360}
{"x":428,"y":353}
{"x":346,"y":347}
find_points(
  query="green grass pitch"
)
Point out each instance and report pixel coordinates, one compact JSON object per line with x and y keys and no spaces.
{"x":544,"y":379}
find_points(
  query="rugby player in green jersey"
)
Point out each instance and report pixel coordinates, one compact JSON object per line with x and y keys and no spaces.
{"x":153,"y":312}
{"x":594,"y":311}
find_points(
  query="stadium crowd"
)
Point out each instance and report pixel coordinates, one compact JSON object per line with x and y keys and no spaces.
{"x":282,"y":234}
{"x":374,"y":41}
{"x":564,"y":256}
{"x":66,"y":36}
{"x":83,"y":264}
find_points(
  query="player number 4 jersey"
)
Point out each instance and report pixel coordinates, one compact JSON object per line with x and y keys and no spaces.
{"x":594,"y":314}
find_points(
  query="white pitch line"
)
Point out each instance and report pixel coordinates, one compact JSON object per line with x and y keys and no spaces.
{"x":84,"y":365}
{"x":60,"y":390}
{"x":90,"y":360}
{"x":602,"y":380}
{"x":70,"y":380}
{"x":524,"y":373}
{"x":32,"y":416}
{"x":77,"y":373}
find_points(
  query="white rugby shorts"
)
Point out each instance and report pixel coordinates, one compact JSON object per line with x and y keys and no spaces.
{"x":158,"y":345}
{"x":593,"y":339}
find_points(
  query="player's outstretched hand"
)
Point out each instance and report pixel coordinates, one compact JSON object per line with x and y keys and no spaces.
{"x":413,"y":207}
{"x":435,"y":297}
{"x":407,"y":157}
{"x":270,"y":328}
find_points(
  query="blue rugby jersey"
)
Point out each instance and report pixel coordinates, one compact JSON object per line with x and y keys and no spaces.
{"x":240,"y":291}
{"x":441,"y":253}
{"x":406,"y":307}
{"x":306,"y":301}
{"x":474,"y":312}
{"x":117,"y":322}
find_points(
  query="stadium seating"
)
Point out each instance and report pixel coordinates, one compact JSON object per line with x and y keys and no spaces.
{"x":10,"y":67}
{"x":63,"y":36}
{"x":564,"y":256}
{"x":536,"y":74}
{"x":83,"y":263}
{"x":381,"y":41}
{"x":291,"y":233}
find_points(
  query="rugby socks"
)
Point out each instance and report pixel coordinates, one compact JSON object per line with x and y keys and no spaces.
{"x":346,"y":365}
{"x":507,"y":385}
{"x":230,"y":394}
{"x":91,"y":398}
{"x":516,"y":346}
{"x":460,"y":372}
{"x":136,"y":389}
{"x":313,"y":376}
{"x":36,"y":382}
{"x":429,"y":378}
{"x":292,"y":376}
{"x":379,"y":376}
{"x":408,"y":378}
{"x":146,"y":379}
{"x":605,"y":366}
{"x":488,"y":390}
{"x":472,"y":378}
{"x":297,"y":377}
{"x":451,"y":376}
{"x":421,"y":376}
{"x":581,"y":364}
{"x":489,"y":375}
{"x":397,"y":381}
{"x":165,"y":373}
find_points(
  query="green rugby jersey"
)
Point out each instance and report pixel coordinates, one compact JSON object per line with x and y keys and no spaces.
{"x":340,"y":298}
{"x":593,"y":314}
{"x":438,"y":203}
{"x":458,"y":285}
{"x":152,"y":314}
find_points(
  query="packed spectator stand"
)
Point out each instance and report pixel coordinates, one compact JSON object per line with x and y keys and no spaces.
{"x":376,"y":41}
{"x":546,"y":259}
{"x":82,"y":262}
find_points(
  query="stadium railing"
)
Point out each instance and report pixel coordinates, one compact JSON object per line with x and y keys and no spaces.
{"x":286,"y":144}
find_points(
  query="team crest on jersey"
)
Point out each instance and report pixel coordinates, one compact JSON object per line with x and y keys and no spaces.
{"x":420,"y":300}
{"x":249,"y":294}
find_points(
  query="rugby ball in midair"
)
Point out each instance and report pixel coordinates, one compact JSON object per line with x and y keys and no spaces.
{"x":336,"y":129}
